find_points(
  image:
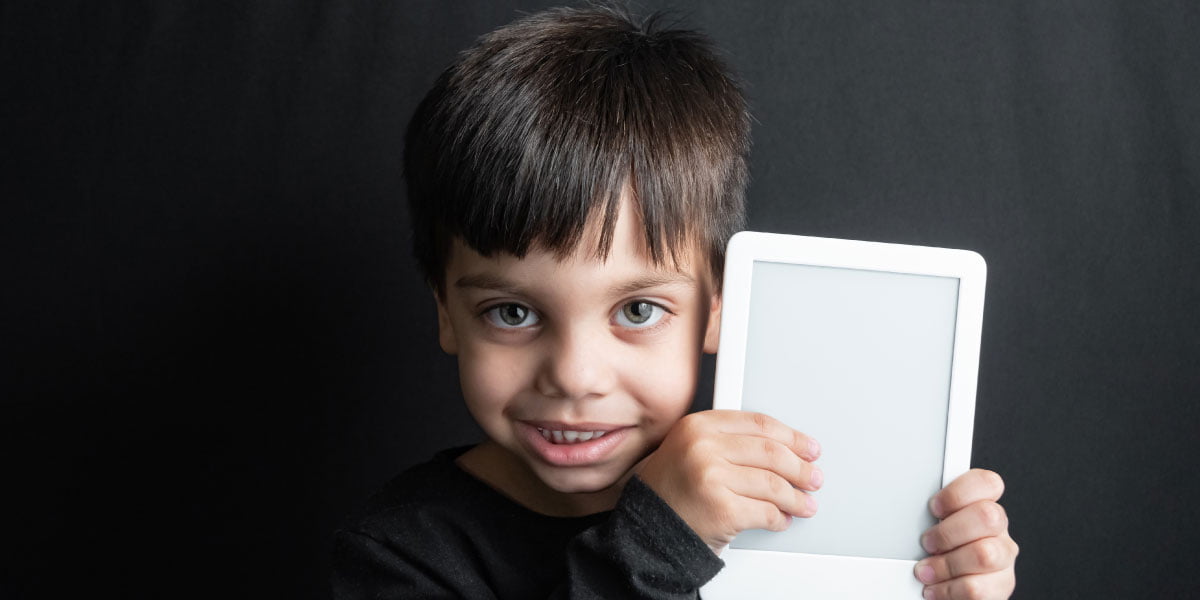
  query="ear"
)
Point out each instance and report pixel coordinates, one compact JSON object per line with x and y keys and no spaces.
{"x":445,"y":328}
{"x":712,"y":333}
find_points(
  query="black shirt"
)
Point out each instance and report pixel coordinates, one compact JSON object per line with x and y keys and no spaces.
{"x":437,"y":532}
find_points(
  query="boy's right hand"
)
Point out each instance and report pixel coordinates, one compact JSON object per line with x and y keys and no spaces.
{"x":725,"y":471}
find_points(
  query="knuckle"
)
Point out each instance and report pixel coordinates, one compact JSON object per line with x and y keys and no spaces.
{"x":951,"y":498}
{"x":799,"y":440}
{"x":770,"y":451}
{"x":952,"y":565}
{"x":988,"y":554}
{"x":971,"y":589}
{"x":770,"y":517}
{"x":775,"y":521}
{"x":776,"y":486}
{"x":993,"y":516}
{"x":708,"y":476}
{"x":702,"y":448}
{"x":761,"y":422}
{"x":699,"y":451}
{"x":688,"y":454}
{"x":936,"y":537}
{"x":942,"y":541}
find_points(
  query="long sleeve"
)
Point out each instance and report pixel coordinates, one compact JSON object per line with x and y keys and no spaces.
{"x":643,"y":550}
{"x":476,"y":544}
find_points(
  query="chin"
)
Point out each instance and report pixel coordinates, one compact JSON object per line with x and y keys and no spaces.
{"x":579,"y":480}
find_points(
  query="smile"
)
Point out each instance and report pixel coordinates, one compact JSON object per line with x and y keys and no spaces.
{"x":567,"y":436}
{"x":573,"y":444}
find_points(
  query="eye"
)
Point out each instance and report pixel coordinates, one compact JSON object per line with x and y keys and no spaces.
{"x":639,"y":314}
{"x":511,"y":316}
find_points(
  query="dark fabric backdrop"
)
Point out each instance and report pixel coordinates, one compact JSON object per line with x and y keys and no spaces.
{"x":216,"y":344}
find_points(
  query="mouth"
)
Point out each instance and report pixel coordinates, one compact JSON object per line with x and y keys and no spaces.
{"x":576,"y":444}
{"x":570,"y":436}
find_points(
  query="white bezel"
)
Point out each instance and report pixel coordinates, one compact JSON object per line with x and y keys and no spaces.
{"x":764,"y":574}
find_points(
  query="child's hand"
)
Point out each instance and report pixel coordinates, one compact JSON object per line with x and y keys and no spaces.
{"x":725,"y":471}
{"x":973,"y":554}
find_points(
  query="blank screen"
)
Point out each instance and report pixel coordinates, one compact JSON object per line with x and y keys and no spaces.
{"x":861,"y":361}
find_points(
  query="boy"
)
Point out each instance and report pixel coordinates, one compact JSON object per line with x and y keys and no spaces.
{"x":573,"y":180}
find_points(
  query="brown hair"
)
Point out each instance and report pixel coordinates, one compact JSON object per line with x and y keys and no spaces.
{"x":540,"y":125}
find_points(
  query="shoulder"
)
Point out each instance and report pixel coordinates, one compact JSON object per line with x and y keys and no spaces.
{"x":414,"y":536}
{"x":427,"y":498}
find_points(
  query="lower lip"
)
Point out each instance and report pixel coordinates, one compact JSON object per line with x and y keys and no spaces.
{"x":573,"y":455}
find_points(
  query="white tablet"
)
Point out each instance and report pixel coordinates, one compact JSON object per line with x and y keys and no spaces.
{"x":873,"y":350}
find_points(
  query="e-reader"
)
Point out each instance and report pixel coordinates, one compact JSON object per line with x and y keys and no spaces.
{"x":872,"y":349}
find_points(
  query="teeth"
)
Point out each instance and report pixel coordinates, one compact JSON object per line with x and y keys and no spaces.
{"x":569,"y":436}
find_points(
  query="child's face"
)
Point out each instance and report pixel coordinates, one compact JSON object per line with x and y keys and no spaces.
{"x":580,"y":367}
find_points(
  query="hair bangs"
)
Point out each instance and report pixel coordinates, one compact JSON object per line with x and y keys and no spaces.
{"x":539,"y":129}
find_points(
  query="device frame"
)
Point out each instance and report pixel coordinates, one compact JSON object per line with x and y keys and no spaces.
{"x":758,"y":573}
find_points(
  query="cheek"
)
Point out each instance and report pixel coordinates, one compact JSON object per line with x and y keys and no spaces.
{"x":490,"y":377}
{"x":664,"y":381}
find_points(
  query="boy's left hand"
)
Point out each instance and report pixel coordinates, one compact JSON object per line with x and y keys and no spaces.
{"x":972,"y":553}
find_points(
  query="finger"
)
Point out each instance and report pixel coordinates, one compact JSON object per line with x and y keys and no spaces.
{"x":988,"y":586}
{"x":758,"y":514}
{"x":986,"y":555}
{"x":751,"y":423}
{"x":980,"y":520}
{"x":764,"y":485}
{"x":968,"y":488}
{"x":772,"y":455}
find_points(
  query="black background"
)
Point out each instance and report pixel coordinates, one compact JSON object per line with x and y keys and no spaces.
{"x":216,"y":344}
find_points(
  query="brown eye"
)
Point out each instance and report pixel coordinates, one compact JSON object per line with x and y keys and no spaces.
{"x":508,"y":316}
{"x":640,"y":313}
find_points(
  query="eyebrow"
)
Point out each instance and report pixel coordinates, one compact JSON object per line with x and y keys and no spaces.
{"x":651,"y":281}
{"x":489,"y":281}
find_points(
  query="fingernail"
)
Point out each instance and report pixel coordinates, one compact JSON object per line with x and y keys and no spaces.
{"x":935,"y":507}
{"x":925,"y":573}
{"x":927,"y":544}
{"x":816,"y":478}
{"x":812,"y":503}
{"x":927,"y":594}
{"x":814,"y":448}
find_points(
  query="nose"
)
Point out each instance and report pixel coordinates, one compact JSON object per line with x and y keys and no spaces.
{"x":576,"y":365}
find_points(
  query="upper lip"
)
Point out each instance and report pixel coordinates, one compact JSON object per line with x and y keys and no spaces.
{"x":560,"y":426}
